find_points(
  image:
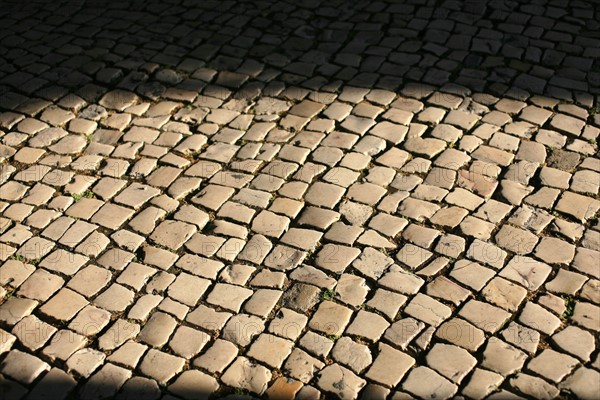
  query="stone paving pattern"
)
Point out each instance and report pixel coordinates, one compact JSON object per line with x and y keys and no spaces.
{"x":361,"y":199}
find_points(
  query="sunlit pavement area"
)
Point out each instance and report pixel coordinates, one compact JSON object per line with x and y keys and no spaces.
{"x":309,"y":200}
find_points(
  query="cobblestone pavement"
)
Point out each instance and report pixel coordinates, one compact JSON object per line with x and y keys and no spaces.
{"x":361,"y":199}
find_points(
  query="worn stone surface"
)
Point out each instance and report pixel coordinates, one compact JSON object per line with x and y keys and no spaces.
{"x":366,"y":200}
{"x":450,"y":361}
{"x":503,"y":358}
{"x":302,"y":366}
{"x":424,"y":382}
{"x":245,"y":374}
{"x":340,"y":381}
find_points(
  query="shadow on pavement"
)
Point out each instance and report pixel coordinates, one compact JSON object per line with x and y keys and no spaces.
{"x":212,"y":53}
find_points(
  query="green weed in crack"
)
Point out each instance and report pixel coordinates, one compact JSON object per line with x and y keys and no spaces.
{"x":19,"y":257}
{"x":328,"y":294}
{"x":569,"y":306}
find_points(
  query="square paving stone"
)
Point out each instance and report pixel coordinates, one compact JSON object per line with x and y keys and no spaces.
{"x":158,"y":329}
{"x":136,"y":275}
{"x":516,"y":240}
{"x":64,"y":262}
{"x":317,"y":345}
{"x":188,"y":288}
{"x":461,"y":333}
{"x":318,"y":217}
{"x":270,"y":224}
{"x":428,"y":310}
{"x":536,"y":317}
{"x":421,"y":380}
{"x":366,"y":193}
{"x":450,"y":361}
{"x":84,"y":208}
{"x":401,"y":281}
{"x":106,"y":382}
{"x":555,"y":251}
{"x":487,"y":253}
{"x":330,"y":318}
{"x":115,"y":299}
{"x":304,"y":239}
{"x":161,"y":366}
{"x":352,"y":290}
{"x":533,"y":386}
{"x":354,"y":355}
{"x":22,"y":367}
{"x":193,"y":382}
{"x":112,"y":216}
{"x":313,"y":276}
{"x":389,"y":366}
{"x":7,"y":341}
{"x":449,"y":217}
{"x":32,"y":332}
{"x":90,"y":321}
{"x":587,"y":315}
{"x":187,"y":342}
{"x":503,"y":358}
{"x":368,"y":325}
{"x":417,"y":209}
{"x":40,"y":285}
{"x":525,"y":338}
{"x":262,"y":302}
{"x":444,"y":288}
{"x":55,"y":384}
{"x":484,"y":316}
{"x":578,"y":206}
{"x":481,"y":383}
{"x":229,"y":297}
{"x":84,"y":362}
{"x":241,"y":329}
{"x":284,"y":258}
{"x":35,"y":248}
{"x":119,"y":332}
{"x":173,"y":308}
{"x":173,"y":234}
{"x":270,"y":349}
{"x":552,"y":365}
{"x":526,"y":271}
{"x":246,"y":375}
{"x":14,"y":273}
{"x":585,"y":261}
{"x":413,"y":256}
{"x":155,"y":256}
{"x":324,"y":195}
{"x":90,"y":280}
{"x":284,"y":386}
{"x":217,"y":357}
{"x":387,"y":302}
{"x":205,"y":245}
{"x":329,"y":377}
{"x":372,"y":263}
{"x":575,"y":341}
{"x":578,"y":383}
{"x":136,"y":195}
{"x":288,"y":324}
{"x":504,"y":294}
{"x":336,"y":258}
{"x":306,"y":108}
{"x":301,"y":297}
{"x":237,"y":274}
{"x":64,"y":305}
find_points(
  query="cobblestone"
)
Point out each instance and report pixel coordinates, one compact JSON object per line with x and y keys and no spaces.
{"x":362,"y":200}
{"x":340,"y":381}
{"x":421,"y":379}
{"x":246,"y":375}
